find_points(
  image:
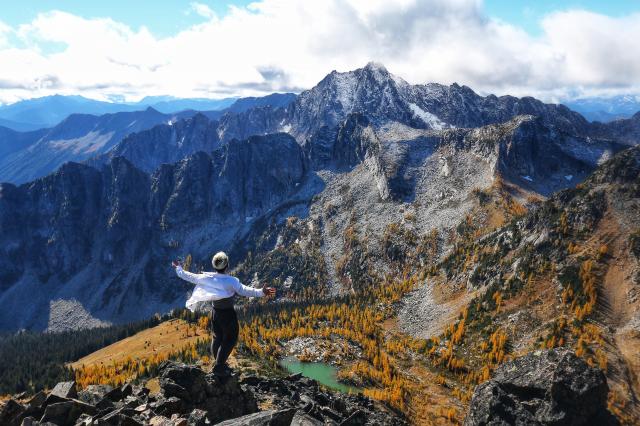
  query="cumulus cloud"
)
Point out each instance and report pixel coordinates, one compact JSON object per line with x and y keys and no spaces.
{"x":5,"y":30}
{"x":203,"y":10}
{"x":281,"y":45}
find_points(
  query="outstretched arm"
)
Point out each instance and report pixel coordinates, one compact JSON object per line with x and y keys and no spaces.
{"x":247,"y":291}
{"x":185,"y":275}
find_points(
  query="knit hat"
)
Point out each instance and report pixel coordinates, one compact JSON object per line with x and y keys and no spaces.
{"x":220,"y":261}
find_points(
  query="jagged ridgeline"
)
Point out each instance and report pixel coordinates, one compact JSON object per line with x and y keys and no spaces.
{"x":359,"y":152}
{"x":423,"y":232}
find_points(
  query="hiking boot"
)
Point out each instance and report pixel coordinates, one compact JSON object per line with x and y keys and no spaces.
{"x":222,"y":370}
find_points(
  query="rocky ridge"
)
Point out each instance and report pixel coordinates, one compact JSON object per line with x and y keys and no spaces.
{"x":189,"y":396}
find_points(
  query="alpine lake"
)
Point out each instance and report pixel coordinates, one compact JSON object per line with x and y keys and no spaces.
{"x":324,"y":373}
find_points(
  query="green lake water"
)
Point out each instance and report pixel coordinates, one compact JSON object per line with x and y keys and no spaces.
{"x":324,"y":373}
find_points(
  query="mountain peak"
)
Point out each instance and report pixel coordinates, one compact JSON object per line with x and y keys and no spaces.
{"x":376,"y":66}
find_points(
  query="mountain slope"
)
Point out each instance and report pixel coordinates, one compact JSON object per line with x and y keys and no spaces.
{"x":166,"y":143}
{"x":100,"y":238}
{"x":12,"y":141}
{"x":76,"y":138}
{"x":626,"y":131}
{"x":566,"y":274}
{"x":315,"y":114}
{"x":275,"y":100}
{"x":18,"y":127}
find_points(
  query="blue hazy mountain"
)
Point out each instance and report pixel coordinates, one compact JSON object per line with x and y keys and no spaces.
{"x":12,"y":141}
{"x":275,"y":100}
{"x":51,"y":110}
{"x":606,"y":109}
{"x":48,"y":111}
{"x":30,"y":155}
{"x":170,"y":104}
{"x":20,"y":127}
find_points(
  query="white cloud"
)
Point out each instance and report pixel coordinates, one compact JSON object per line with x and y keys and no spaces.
{"x":5,"y":30}
{"x":203,"y":10}
{"x":278,"y":45}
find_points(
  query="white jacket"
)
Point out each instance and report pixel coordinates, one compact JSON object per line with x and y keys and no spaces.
{"x":215,"y":286}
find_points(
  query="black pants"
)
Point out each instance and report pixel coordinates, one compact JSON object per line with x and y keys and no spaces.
{"x":225,"y":330}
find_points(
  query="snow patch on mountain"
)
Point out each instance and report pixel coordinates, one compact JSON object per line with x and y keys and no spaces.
{"x":433,"y":121}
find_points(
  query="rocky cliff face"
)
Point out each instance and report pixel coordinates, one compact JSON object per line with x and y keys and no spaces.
{"x":165,"y":144}
{"x":103,"y":237}
{"x":625,"y":131}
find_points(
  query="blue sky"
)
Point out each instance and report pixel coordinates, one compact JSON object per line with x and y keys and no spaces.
{"x":528,"y":14}
{"x":554,"y":50}
{"x":162,"y":17}
{"x":166,"y":17}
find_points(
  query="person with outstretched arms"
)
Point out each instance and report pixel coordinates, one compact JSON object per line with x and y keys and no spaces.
{"x":220,"y":288}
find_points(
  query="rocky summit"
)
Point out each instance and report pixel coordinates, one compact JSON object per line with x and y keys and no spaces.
{"x":189,"y":396}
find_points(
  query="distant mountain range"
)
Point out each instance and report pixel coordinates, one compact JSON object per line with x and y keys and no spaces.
{"x":31,"y":154}
{"x":49,"y":111}
{"x":606,"y":109}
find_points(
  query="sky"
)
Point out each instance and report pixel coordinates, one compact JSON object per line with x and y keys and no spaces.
{"x":554,"y":50}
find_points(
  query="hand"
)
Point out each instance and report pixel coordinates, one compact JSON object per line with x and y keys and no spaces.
{"x":269,"y":291}
{"x":175,"y":263}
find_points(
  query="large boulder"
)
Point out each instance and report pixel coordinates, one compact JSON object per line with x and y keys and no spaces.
{"x":67,"y":412}
{"x":92,"y":394}
{"x":11,"y":412}
{"x":263,"y":418}
{"x":65,"y":390}
{"x":302,"y":419}
{"x":552,"y":387}
{"x":186,"y":382}
{"x":191,"y":388}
